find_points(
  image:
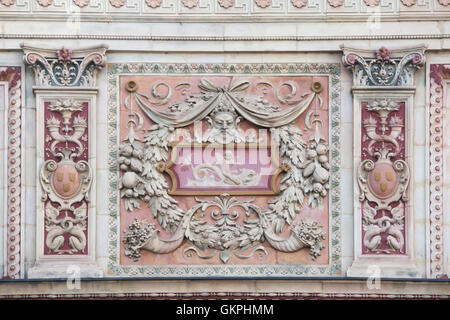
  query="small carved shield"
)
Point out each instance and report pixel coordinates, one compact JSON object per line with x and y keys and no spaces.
{"x":383,"y":180}
{"x":66,"y":181}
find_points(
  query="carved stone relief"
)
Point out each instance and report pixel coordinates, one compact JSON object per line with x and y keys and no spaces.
{"x":439,"y":73}
{"x":66,"y":177}
{"x":230,"y":228}
{"x":65,"y":93}
{"x":383,"y":176}
{"x":13,"y":77}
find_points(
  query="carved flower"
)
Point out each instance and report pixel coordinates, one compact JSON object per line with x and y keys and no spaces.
{"x":372,"y":3}
{"x":64,"y":54}
{"x":409,"y":3}
{"x":335,"y":3}
{"x":45,"y":3}
{"x":226,"y":3}
{"x":263,"y":3}
{"x":117,"y":3}
{"x":299,"y":3}
{"x":190,"y":3}
{"x":444,"y":2}
{"x":384,"y":54}
{"x":7,"y":2}
{"x":153,"y":3}
{"x":81,"y":3}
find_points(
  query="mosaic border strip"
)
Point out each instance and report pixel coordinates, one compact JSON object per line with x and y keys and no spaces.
{"x":333,"y":268}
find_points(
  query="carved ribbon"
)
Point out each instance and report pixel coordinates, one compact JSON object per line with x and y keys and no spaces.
{"x":202,"y":109}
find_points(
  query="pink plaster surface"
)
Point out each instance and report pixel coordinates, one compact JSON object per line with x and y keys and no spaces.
{"x":321,"y":215}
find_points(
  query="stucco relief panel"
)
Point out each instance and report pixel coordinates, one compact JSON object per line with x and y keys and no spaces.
{"x":223,"y":171}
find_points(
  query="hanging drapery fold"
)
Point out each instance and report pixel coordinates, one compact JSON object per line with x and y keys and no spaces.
{"x":223,"y":95}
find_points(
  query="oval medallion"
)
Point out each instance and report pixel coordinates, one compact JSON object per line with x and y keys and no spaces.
{"x":383,"y":180}
{"x":66,"y":181}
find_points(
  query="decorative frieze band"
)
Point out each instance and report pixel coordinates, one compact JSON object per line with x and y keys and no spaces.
{"x":438,"y":75}
{"x":383,"y":92}
{"x":13,"y":76}
{"x":225,"y":8}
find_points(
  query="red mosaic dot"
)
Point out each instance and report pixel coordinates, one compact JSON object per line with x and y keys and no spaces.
{"x":12,"y":268}
{"x":12,"y":219}
{"x":13,"y":161}
{"x":12,"y":257}
{"x":12,"y":238}
{"x":12,"y":248}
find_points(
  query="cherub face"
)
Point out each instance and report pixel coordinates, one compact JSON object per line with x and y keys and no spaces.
{"x":223,"y":121}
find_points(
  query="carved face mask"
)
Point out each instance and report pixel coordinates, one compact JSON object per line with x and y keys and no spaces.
{"x":223,"y":121}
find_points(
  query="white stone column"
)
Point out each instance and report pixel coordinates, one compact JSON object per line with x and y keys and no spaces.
{"x":383,"y":103}
{"x":65,"y":96}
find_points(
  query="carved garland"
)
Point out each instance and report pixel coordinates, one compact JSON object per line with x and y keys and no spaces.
{"x":142,"y":180}
{"x":437,"y":74}
{"x":13,"y":76}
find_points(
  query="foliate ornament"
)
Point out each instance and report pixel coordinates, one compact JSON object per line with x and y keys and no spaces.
{"x":153,"y":3}
{"x":225,"y":236}
{"x":384,"y":182}
{"x":299,"y":3}
{"x":444,"y":2}
{"x":65,"y":181}
{"x":144,"y":154}
{"x":263,"y":3}
{"x":190,"y":3}
{"x":226,"y":3}
{"x":438,"y":73}
{"x":12,"y":75}
{"x":392,"y":226}
{"x":7,"y":2}
{"x":64,"y":67}
{"x":372,"y":3}
{"x":409,"y":3}
{"x":81,"y":3}
{"x":117,"y":3}
{"x":385,"y":68}
{"x":335,"y":3}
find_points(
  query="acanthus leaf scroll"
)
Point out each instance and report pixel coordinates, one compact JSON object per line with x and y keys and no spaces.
{"x":143,"y":160}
